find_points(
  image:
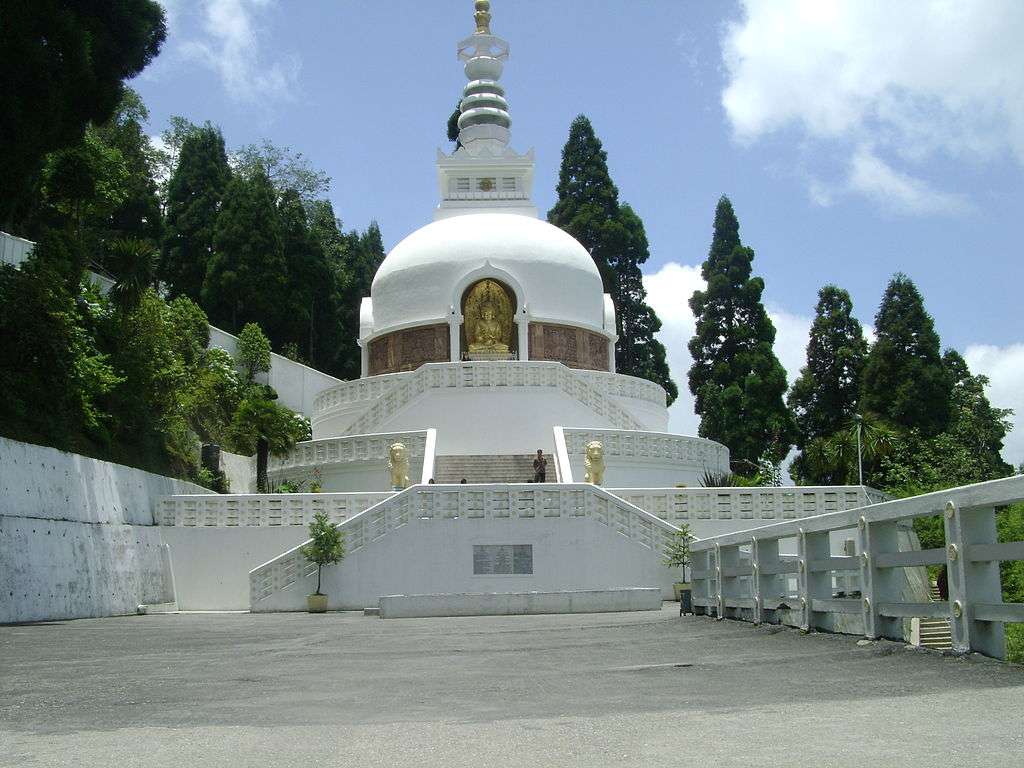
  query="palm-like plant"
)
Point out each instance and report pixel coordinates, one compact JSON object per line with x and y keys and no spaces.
{"x":263,"y":426}
{"x":133,"y":263}
{"x":836,"y":456}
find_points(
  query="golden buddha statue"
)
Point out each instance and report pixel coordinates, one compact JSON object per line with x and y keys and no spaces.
{"x":488,"y":310}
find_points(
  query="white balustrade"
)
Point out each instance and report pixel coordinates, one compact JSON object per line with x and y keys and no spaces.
{"x":460,"y":502}
{"x":341,"y":450}
{"x":684,"y":505}
{"x":740,"y":575}
{"x":261,"y":510}
{"x":650,"y":446}
{"x":386,"y":394}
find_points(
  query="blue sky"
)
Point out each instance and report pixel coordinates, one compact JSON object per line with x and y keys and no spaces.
{"x":855,"y":139}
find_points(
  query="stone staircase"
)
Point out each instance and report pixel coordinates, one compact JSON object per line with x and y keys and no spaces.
{"x":935,"y":632}
{"x":489,"y":469}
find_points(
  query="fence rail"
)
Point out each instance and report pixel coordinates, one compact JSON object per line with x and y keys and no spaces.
{"x":740,"y":575}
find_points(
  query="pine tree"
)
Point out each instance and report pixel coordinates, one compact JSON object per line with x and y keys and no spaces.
{"x":588,"y":209}
{"x":588,"y":201}
{"x":638,"y":352}
{"x":245,"y":279}
{"x":904,"y":379}
{"x":736,"y":379}
{"x":194,"y":196}
{"x":824,"y":398}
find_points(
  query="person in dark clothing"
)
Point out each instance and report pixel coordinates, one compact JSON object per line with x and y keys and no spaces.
{"x":540,"y":467}
{"x":942,"y":582}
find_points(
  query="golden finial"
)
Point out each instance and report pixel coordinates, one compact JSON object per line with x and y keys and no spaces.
{"x":483,"y":17}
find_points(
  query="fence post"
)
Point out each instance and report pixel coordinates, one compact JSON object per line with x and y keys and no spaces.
{"x":702,"y":562}
{"x":878,"y":585}
{"x":971,"y":583}
{"x":817,"y":584}
{"x":728,"y":585}
{"x":765,"y":554}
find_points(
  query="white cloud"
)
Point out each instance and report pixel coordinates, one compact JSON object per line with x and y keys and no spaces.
{"x":913,"y":81}
{"x":229,"y":42}
{"x":1004,"y":367}
{"x":668,"y":293}
{"x":873,"y":177}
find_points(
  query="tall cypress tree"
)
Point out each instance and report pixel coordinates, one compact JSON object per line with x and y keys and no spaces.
{"x":246,"y":276}
{"x":588,"y":209}
{"x":736,"y":379}
{"x":824,"y":398}
{"x":193,"y":201}
{"x":637,"y":352}
{"x":904,"y":379}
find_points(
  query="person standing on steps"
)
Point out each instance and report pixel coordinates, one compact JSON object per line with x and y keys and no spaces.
{"x":540,"y":467}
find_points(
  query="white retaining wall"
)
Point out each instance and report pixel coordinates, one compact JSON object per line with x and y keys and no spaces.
{"x":296,"y":384}
{"x":520,"y":603}
{"x":77,"y":536}
{"x":436,"y":556}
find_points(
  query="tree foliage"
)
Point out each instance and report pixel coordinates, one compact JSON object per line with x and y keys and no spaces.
{"x":737,"y":381}
{"x":64,"y":66}
{"x":326,"y":545}
{"x":904,"y":378}
{"x":285,"y":168}
{"x":588,"y":209}
{"x":194,"y":194}
{"x":825,"y":396}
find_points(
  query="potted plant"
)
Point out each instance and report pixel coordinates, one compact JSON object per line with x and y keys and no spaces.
{"x":677,"y":555}
{"x":327,"y":547}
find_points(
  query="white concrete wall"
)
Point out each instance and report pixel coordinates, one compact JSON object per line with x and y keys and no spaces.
{"x":436,"y":556}
{"x":296,"y":384}
{"x":498,"y":420}
{"x":521,"y":603}
{"x":211,"y":565}
{"x":240,"y":471}
{"x":77,"y":536}
{"x":14,"y":250}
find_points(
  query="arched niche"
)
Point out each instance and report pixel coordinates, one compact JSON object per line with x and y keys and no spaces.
{"x":488,"y":307}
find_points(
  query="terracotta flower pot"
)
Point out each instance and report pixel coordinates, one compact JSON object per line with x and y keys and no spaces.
{"x":316,"y":603}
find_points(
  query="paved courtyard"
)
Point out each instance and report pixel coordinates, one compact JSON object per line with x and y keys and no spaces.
{"x":642,"y":689}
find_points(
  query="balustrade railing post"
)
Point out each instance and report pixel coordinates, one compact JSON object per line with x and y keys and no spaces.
{"x":878,"y":585}
{"x":702,"y":562}
{"x":728,"y":584}
{"x":765,"y":554}
{"x":971,"y":583}
{"x":818,"y":584}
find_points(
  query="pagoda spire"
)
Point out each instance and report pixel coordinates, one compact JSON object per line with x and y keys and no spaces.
{"x":484,"y":121}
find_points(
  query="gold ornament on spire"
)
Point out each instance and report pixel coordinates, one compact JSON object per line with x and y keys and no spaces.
{"x":483,"y":17}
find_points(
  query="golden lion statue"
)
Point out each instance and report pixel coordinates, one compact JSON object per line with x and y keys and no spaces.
{"x":398,"y":463}
{"x":594,"y":462}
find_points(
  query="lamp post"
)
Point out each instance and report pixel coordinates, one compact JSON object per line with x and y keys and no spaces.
{"x":860,"y":464}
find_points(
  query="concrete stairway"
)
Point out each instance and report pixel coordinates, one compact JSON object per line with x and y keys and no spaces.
{"x":488,"y":469}
{"x":935,"y":632}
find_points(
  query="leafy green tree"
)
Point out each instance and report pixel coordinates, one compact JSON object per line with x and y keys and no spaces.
{"x":834,"y":459}
{"x":905,"y":381}
{"x":588,"y":209}
{"x":326,"y":546}
{"x":134,"y":262}
{"x":736,"y":379}
{"x":339,"y":352}
{"x":64,"y":66}
{"x":194,"y":194}
{"x":212,"y":396}
{"x":637,"y":352}
{"x":253,"y":351}
{"x":246,"y":276}
{"x":286,"y":169}
{"x":262,"y":426}
{"x":588,"y":202}
{"x":975,"y":425}
{"x":824,"y":397}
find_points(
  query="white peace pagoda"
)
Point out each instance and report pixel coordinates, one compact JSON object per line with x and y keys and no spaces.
{"x":486,"y":337}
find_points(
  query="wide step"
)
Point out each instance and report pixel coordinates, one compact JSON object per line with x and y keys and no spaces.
{"x":505,"y":468}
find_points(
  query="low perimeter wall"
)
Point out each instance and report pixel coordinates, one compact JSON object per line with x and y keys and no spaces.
{"x":77,"y":537}
{"x":520,"y":603}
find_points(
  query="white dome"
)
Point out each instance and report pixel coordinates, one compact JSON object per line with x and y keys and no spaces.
{"x":425,"y":274}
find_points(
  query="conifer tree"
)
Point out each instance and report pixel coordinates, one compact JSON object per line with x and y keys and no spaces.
{"x":194,"y":196}
{"x":246,"y":276}
{"x":904,"y":379}
{"x":736,"y":379}
{"x":824,"y":398}
{"x":588,"y":209}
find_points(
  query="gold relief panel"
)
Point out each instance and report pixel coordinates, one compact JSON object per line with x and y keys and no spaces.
{"x":488,"y":328}
{"x":408,"y":349}
{"x":575,"y":347}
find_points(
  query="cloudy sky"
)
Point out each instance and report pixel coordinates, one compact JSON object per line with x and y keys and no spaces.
{"x":855,"y":139}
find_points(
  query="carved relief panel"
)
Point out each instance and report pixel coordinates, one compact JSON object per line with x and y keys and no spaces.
{"x":575,"y":347}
